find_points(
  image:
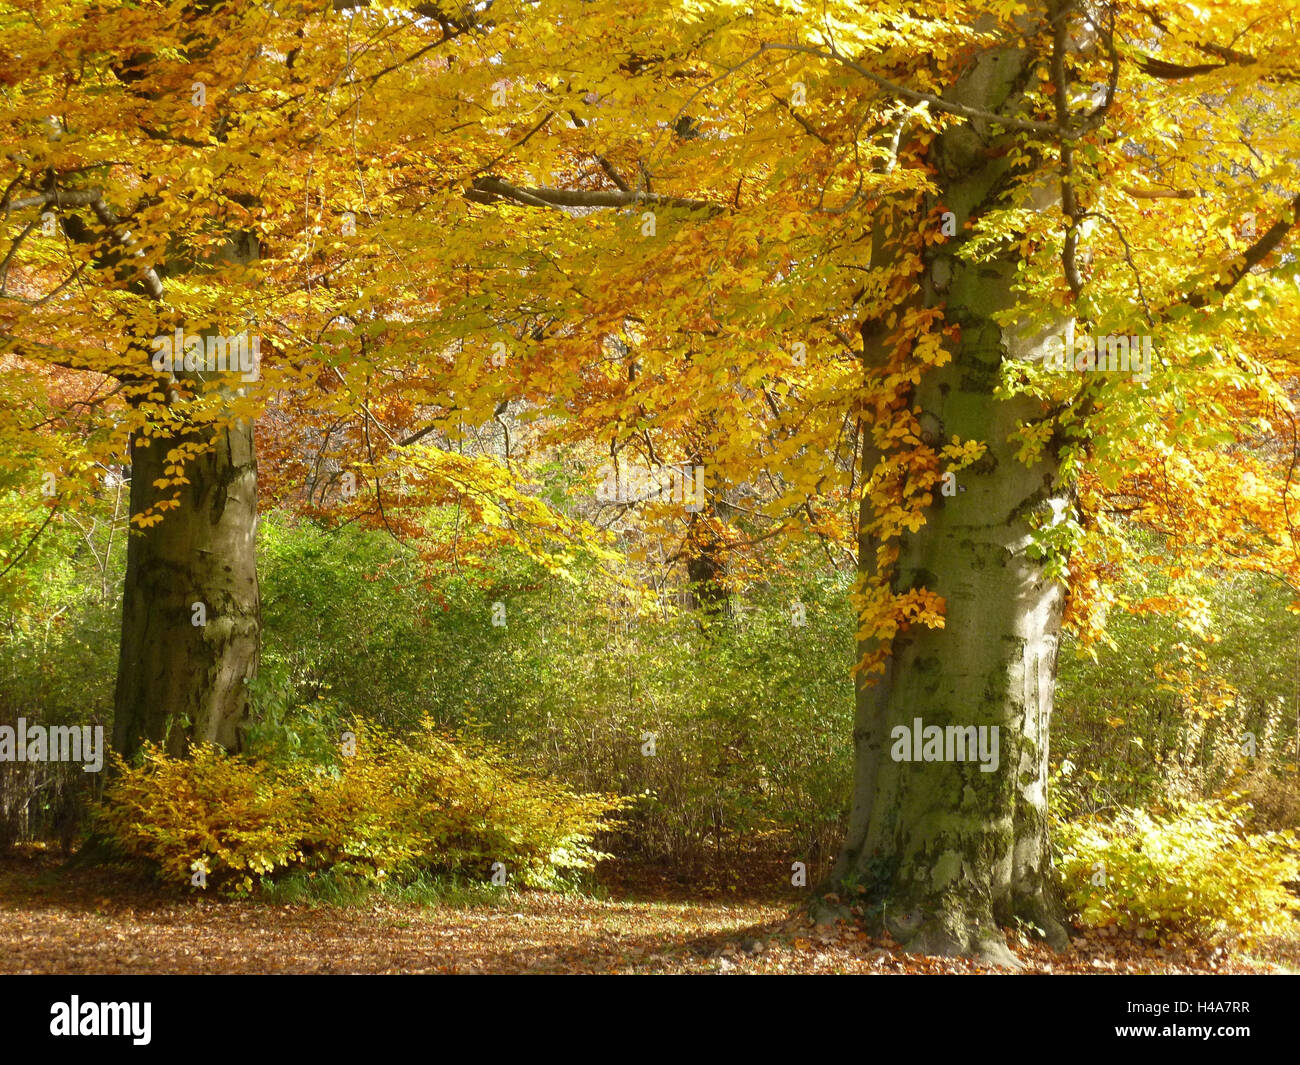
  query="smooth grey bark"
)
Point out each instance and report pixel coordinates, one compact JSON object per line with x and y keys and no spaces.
{"x":178,"y":682}
{"x":940,"y":852}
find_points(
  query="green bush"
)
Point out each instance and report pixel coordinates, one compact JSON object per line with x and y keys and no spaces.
{"x":752,"y":718}
{"x":59,"y":617}
{"x":1159,"y":709}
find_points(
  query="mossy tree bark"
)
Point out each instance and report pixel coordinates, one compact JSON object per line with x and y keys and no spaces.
{"x":943,"y":852}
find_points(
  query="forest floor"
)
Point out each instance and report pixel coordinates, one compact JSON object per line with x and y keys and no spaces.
{"x":93,"y":922}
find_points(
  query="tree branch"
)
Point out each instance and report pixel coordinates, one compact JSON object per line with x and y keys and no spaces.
{"x":490,"y":189}
{"x":1251,"y":258}
{"x":937,"y":102}
{"x":94,"y":199}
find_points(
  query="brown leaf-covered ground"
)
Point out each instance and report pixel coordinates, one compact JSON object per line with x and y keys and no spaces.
{"x":93,"y":922}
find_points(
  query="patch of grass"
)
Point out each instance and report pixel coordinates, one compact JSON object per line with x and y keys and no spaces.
{"x":422,"y":889}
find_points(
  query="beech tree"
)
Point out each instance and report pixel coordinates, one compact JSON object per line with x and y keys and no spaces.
{"x":256,"y":175}
{"x":960,"y":194}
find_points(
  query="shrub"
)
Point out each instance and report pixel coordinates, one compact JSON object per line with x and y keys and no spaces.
{"x":1196,"y":870}
{"x":426,"y":803}
{"x":227,"y":812}
{"x":1274,"y":796}
{"x":396,"y":808}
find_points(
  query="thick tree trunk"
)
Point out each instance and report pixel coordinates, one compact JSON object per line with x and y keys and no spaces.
{"x":178,"y":681}
{"x":944,"y":851}
{"x":706,"y":549}
{"x":705,"y":568}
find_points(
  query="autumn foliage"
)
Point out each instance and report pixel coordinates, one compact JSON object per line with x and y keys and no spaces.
{"x":394,"y":807}
{"x":491,"y":250}
{"x":1197,"y":870}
